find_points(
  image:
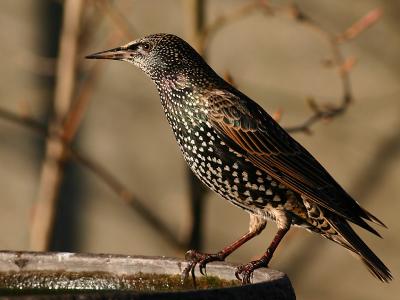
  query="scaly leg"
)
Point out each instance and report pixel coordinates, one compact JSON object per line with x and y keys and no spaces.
{"x":244,"y":272}
{"x":257,"y":224}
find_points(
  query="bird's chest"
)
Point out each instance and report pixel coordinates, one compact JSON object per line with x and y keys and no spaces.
{"x":200,"y":144}
{"x":193,"y":133}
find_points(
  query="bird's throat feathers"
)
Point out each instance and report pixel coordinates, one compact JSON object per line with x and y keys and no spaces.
{"x":177,"y":92}
{"x":175,"y":83}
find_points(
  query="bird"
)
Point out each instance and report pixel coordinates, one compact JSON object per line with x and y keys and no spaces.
{"x":240,"y":152}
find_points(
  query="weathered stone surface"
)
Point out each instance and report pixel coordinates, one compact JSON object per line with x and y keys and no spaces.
{"x":108,"y":273}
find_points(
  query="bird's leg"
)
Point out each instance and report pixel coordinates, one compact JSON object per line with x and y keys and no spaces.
{"x":257,"y":224}
{"x":245,"y":272}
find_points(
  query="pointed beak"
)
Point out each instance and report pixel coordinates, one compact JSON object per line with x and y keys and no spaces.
{"x":117,"y":54}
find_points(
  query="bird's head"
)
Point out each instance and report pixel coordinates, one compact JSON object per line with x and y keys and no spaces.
{"x":158,"y":55}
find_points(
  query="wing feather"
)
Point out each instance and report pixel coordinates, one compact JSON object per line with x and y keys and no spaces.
{"x":250,"y":131}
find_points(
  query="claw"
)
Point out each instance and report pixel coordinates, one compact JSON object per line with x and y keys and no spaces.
{"x":202,"y":259}
{"x":244,"y":273}
{"x":247,"y":277}
{"x":203,"y":268}
{"x":237,"y":275}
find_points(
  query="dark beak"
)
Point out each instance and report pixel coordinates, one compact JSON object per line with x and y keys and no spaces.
{"x":117,"y":54}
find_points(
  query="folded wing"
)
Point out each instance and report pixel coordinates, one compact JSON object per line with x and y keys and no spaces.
{"x":250,"y":131}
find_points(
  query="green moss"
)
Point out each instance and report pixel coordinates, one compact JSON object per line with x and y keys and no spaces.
{"x":46,"y":282}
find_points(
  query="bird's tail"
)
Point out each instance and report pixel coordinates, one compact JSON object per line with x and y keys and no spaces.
{"x":350,"y":240}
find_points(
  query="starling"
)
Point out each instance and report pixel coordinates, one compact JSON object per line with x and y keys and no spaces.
{"x":236,"y":149}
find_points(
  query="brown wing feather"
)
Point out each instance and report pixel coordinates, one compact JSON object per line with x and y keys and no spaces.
{"x":253,"y":133}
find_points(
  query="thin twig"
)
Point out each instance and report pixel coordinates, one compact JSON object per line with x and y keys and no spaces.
{"x":117,"y":18}
{"x":128,"y":197}
{"x":338,"y":61}
{"x":25,"y":121}
{"x":77,"y":111}
{"x":240,"y":12}
{"x":103,"y":174}
{"x":360,"y":26}
{"x":78,"y":108}
{"x":342,"y":64}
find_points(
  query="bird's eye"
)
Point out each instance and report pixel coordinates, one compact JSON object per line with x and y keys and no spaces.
{"x":140,"y":47}
{"x":145,"y":46}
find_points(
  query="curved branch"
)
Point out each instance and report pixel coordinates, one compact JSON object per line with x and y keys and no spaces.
{"x":342,"y":65}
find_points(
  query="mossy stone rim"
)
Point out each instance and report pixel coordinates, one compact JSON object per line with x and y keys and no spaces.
{"x":267,"y":283}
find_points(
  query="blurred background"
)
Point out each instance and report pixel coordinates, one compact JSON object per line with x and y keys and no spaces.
{"x":89,"y":163}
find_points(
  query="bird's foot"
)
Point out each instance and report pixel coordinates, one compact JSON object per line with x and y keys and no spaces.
{"x":245,"y":272}
{"x":202,"y":259}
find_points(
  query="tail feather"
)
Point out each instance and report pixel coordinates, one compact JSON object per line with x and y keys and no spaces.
{"x":366,"y":226}
{"x":354,"y":243}
{"x":385,"y":276}
{"x":372,"y":218}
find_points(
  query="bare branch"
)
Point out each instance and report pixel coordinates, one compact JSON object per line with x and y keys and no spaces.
{"x":78,"y":108}
{"x":52,"y":169}
{"x":77,"y":111}
{"x":240,"y":12}
{"x":343,"y":67}
{"x":66,"y":118}
{"x":360,"y":26}
{"x":117,"y":18}
{"x":25,"y":121}
{"x":104,"y":175}
{"x":342,"y":64}
{"x":128,"y":197}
